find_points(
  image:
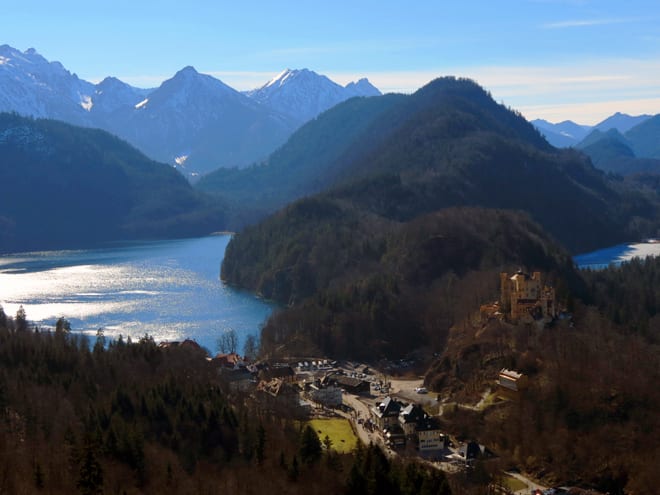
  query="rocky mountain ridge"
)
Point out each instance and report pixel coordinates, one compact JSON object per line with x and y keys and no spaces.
{"x":193,"y":121}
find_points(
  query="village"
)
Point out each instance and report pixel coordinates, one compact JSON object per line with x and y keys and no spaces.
{"x":386,"y":405}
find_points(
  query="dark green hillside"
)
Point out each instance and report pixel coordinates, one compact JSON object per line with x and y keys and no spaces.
{"x":449,"y":144}
{"x":366,"y":287}
{"x":337,"y":146}
{"x":306,"y":163}
{"x":71,"y":186}
{"x":612,"y":135}
{"x":358,"y":262}
{"x":125,"y":417}
{"x":645,"y":138}
{"x":612,"y":152}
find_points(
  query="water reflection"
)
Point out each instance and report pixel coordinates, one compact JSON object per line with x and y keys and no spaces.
{"x":617,"y":254}
{"x":168,"y":289}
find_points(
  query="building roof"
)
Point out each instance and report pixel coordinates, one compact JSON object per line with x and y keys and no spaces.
{"x":277,"y":387}
{"x":428,"y":424}
{"x":348,"y":381}
{"x":412,"y":413}
{"x":276,"y":372}
{"x":389,"y":407}
{"x":228,"y":360}
{"x":510,"y":374}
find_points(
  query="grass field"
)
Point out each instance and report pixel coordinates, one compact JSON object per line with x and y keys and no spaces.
{"x":513,"y":484}
{"x":338,"y":430}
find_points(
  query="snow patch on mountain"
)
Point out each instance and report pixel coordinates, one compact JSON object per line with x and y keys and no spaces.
{"x":303,"y":94}
{"x":192,"y":118}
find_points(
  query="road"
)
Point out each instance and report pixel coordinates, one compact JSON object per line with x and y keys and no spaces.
{"x":531,"y":485}
{"x":362,"y":411}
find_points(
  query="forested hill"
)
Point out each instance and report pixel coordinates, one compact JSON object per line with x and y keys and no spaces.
{"x":362,"y":286}
{"x":309,"y":161}
{"x":66,"y":186}
{"x":338,"y":145}
{"x":449,"y":144}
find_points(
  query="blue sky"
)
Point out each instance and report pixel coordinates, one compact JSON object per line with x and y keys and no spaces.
{"x":555,"y":59}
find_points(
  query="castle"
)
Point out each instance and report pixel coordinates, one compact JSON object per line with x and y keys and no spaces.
{"x":523,"y":298}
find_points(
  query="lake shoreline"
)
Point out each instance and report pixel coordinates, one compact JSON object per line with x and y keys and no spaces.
{"x":615,"y":255}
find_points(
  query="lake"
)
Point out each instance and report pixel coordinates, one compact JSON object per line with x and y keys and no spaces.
{"x":168,"y":289}
{"x":617,"y":254}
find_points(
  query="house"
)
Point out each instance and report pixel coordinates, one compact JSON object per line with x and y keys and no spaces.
{"x":238,"y":380}
{"x":409,"y":417}
{"x":327,"y":395}
{"x":386,"y":413}
{"x":394,"y":435}
{"x":468,"y":452}
{"x":282,"y":398}
{"x":231,"y":360}
{"x":523,"y":298}
{"x":285,"y":373}
{"x":351,"y":385}
{"x":512,"y":380}
{"x":429,"y":435}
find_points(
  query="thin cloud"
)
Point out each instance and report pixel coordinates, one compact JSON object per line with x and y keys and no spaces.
{"x":585,"y":23}
{"x":581,"y":92}
{"x":590,"y":113}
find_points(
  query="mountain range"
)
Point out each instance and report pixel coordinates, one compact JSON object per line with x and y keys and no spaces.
{"x":568,"y":133}
{"x":193,"y":121}
{"x":622,"y":144}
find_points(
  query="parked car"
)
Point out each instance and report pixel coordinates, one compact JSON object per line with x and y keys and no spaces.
{"x":421,"y":390}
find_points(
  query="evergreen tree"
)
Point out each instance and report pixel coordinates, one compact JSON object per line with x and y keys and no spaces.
{"x":310,"y":446}
{"x":90,"y":479}
{"x":3,"y":317}
{"x":62,"y":325}
{"x":294,"y":471}
{"x":21,"y":319}
{"x":260,"y":447}
{"x":38,"y":476}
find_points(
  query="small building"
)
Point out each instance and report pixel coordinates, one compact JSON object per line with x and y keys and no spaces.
{"x":231,"y":360}
{"x":409,"y":417}
{"x":429,"y":435}
{"x":284,"y":373}
{"x":386,"y":413}
{"x":281,"y":398}
{"x":238,"y":380}
{"x":328,"y":395}
{"x":512,"y":380}
{"x":468,"y":452}
{"x":352,"y":385}
{"x":394,"y":436}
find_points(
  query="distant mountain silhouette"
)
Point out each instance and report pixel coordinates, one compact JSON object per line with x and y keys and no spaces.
{"x":563,"y":134}
{"x":568,"y":133}
{"x":622,"y":122}
{"x":628,"y":154}
{"x":67,"y":186}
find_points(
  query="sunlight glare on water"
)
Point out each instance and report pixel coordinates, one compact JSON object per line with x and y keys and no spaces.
{"x":168,"y":289}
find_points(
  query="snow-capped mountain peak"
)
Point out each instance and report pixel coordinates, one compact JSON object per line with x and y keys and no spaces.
{"x":31,"y":85}
{"x":303,"y":94}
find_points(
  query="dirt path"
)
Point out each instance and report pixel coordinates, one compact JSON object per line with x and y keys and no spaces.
{"x":531,"y":485}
